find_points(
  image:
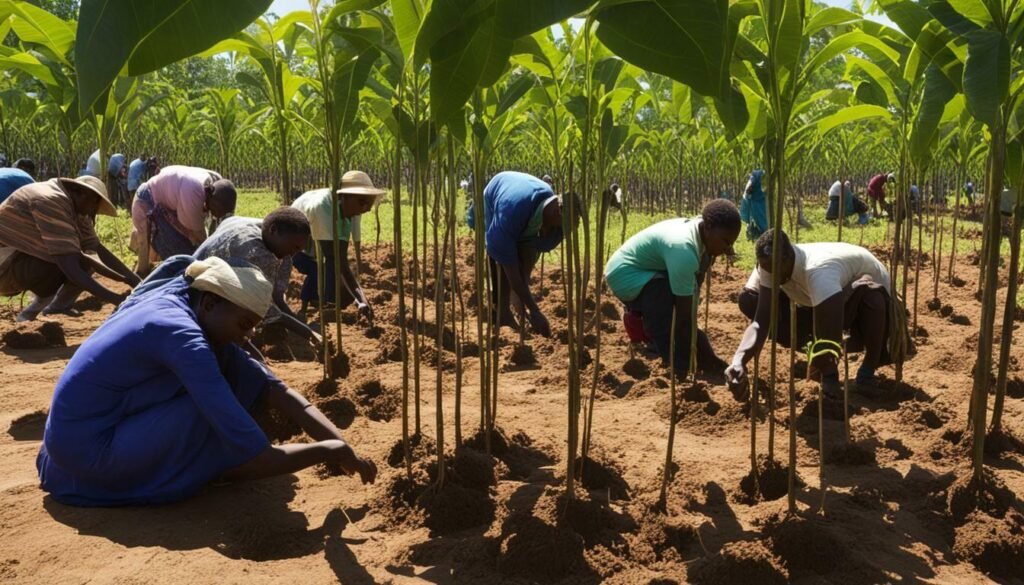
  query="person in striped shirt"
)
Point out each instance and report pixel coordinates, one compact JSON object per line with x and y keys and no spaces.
{"x":48,"y":240}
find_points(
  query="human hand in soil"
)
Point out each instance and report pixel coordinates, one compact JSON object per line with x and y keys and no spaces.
{"x":316,"y":339}
{"x":736,"y":378}
{"x":540,"y":323}
{"x":365,"y":312}
{"x":352,"y":464}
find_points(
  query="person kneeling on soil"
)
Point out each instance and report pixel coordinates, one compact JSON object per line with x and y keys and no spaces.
{"x":661,"y":268}
{"x":155,"y":404}
{"x":270,"y":244}
{"x":356,"y":196}
{"x":837,"y":287}
{"x":852,"y":205}
{"x":169,"y":212}
{"x":48,"y":239}
{"x":522,"y":220}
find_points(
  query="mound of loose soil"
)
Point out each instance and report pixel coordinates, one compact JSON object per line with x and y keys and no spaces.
{"x":663,"y":538}
{"x":946,"y":310}
{"x":341,"y":366}
{"x":517,"y":453}
{"x":338,"y":409}
{"x":610,"y":310}
{"x":770,"y":483}
{"x":373,"y":332}
{"x":636,"y":369}
{"x":390,"y":348}
{"x":420,"y":448}
{"x":850,"y":454}
{"x":657,"y":385}
{"x":741,"y":562}
{"x":377,"y":402}
{"x":522,"y":355}
{"x":449,"y":508}
{"x":29,"y":427}
{"x":990,"y":495}
{"x":548,"y":542}
{"x":473,"y":469}
{"x":996,"y":546}
{"x":935,"y":304}
{"x":36,"y":335}
{"x":960,"y":320}
{"x":1002,"y":441}
{"x":805,"y":545}
{"x":278,"y":427}
{"x":596,"y":474}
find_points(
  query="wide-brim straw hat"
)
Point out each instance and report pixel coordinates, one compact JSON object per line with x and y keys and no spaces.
{"x":96,"y":186}
{"x":359,"y":183}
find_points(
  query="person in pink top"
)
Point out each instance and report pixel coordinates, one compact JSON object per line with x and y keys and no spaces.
{"x":876,"y":191}
{"x":169,"y":211}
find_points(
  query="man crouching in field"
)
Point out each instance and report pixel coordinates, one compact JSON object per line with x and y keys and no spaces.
{"x":846,"y":289}
{"x":48,"y":238}
{"x":522,"y":219}
{"x":661,"y":268}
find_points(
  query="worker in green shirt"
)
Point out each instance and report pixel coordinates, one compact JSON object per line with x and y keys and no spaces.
{"x":661,"y":268}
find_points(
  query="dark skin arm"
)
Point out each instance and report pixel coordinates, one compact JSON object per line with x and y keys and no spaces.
{"x":683,"y":307}
{"x":330,"y":447}
{"x":752,"y":341}
{"x":348,"y":278}
{"x":522,"y":289}
{"x":71,"y":266}
{"x":110,"y":260}
{"x":293,"y":323}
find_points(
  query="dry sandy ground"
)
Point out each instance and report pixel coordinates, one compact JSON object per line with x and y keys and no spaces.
{"x":886,"y":516}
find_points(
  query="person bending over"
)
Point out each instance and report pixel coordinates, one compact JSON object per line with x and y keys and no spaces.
{"x":169,"y":212}
{"x":48,"y":240}
{"x":356,"y":196}
{"x":661,"y":268}
{"x":155,"y":404}
{"x":837,"y":287}
{"x":522,"y":219}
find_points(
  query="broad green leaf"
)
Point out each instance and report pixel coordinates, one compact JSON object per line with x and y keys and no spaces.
{"x":732,"y":110}
{"x":986,"y":74}
{"x":831,"y":16}
{"x":787,"y":36}
{"x":909,"y":16}
{"x":144,"y":36}
{"x":512,"y":94}
{"x":844,"y":42}
{"x":851,"y":114}
{"x":348,"y":79}
{"x":444,"y":17}
{"x":407,"y":16}
{"x":957,"y":23}
{"x":606,"y":73}
{"x":977,"y":11}
{"x":688,"y":40}
{"x":463,"y":60}
{"x":345,"y":6}
{"x":937,"y":93}
{"x":35,"y":25}
{"x":869,"y":92}
{"x":30,"y":65}
{"x":523,"y":17}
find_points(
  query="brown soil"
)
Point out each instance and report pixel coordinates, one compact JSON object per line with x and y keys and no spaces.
{"x":35,"y":335}
{"x":850,"y":454}
{"x":522,"y":355}
{"x":741,"y":562}
{"x":501,"y":518}
{"x":995,"y":546}
{"x":805,"y":545}
{"x":990,"y":495}
{"x":770,"y":483}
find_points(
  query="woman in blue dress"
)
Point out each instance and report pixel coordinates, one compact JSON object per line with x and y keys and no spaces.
{"x":154,"y":405}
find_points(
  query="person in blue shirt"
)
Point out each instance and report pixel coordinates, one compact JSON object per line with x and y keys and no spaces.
{"x":754,"y":206}
{"x":136,"y":175}
{"x":155,"y":404}
{"x":522,"y":219}
{"x":11,"y":180}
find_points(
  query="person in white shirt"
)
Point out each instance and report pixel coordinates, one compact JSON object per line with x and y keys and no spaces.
{"x":837,"y":287}
{"x":852,"y":205}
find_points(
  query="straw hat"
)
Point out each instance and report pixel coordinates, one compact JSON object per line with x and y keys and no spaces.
{"x":359,"y":183}
{"x":96,"y":186}
{"x":245,"y":287}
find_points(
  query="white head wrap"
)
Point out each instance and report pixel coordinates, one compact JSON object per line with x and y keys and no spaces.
{"x":245,"y":287}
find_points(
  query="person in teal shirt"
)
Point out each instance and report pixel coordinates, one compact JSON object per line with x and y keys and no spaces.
{"x":661,"y":268}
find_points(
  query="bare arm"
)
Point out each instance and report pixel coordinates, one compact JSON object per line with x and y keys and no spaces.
{"x":348,"y":278}
{"x":330,"y":445}
{"x":126,"y":275}
{"x":71,"y":266}
{"x":757,"y":332}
